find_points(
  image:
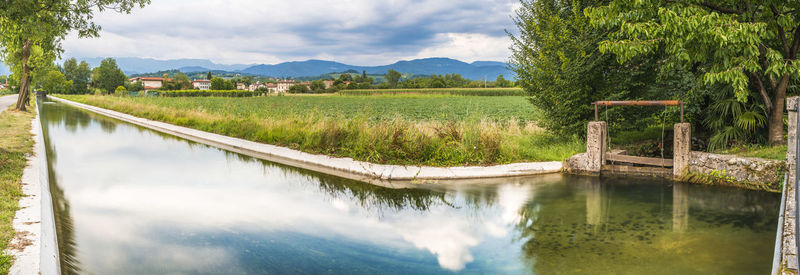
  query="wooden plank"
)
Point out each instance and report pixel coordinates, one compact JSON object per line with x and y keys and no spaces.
{"x":640,"y":160}
{"x":626,"y":170}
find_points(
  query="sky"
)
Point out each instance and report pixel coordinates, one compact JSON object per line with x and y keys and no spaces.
{"x":357,"y":32}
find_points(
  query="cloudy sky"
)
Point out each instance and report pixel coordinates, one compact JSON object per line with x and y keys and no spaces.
{"x":359,"y":32}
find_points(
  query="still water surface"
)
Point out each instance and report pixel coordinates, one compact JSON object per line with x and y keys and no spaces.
{"x":133,"y":201}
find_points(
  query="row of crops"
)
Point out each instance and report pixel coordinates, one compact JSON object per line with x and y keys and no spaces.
{"x":204,"y":93}
{"x":440,"y":91}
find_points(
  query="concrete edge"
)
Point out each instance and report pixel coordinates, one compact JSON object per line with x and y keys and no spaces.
{"x":387,"y":175}
{"x":34,"y":222}
{"x":778,"y":253}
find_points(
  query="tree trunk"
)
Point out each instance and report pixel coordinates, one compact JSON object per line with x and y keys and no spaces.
{"x":24,"y":82}
{"x":776,"y":115}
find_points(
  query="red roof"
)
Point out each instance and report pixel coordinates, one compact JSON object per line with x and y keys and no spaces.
{"x":201,"y":80}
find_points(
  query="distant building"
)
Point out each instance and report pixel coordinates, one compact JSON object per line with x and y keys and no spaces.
{"x":329,"y":83}
{"x":3,"y":86}
{"x":241,"y":86}
{"x":256,"y":86}
{"x":149,"y":83}
{"x":284,"y":85}
{"x":202,"y":84}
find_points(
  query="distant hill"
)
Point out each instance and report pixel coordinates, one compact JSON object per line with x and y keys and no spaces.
{"x":134,"y":65}
{"x":295,"y":69}
{"x":427,"y":66}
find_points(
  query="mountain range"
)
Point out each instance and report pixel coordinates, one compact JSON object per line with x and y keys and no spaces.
{"x":427,"y":66}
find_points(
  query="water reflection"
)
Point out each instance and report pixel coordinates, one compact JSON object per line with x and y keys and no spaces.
{"x":132,"y":201}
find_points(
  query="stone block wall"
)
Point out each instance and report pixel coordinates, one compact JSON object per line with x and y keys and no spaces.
{"x":753,"y":173}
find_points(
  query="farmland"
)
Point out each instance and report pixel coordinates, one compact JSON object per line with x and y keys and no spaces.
{"x":440,"y":91}
{"x":437,"y":130}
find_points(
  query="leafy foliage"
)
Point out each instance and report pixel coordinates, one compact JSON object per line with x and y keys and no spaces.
{"x":749,"y":46}
{"x":108,"y":76}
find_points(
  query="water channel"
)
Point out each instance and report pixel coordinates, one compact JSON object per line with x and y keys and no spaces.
{"x":133,"y":201}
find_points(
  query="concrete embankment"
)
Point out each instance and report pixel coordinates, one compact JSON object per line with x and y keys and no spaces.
{"x":387,"y":175}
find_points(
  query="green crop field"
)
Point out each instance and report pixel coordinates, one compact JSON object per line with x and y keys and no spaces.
{"x":411,"y":107}
{"x":437,"y":130}
{"x":440,"y":91}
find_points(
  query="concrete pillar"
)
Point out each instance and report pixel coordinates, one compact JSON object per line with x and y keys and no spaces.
{"x":596,"y":136}
{"x":681,"y":147}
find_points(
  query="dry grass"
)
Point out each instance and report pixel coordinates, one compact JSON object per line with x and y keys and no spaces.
{"x":15,"y":145}
{"x":392,"y":141}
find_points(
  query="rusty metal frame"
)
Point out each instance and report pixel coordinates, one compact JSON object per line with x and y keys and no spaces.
{"x":636,"y":103}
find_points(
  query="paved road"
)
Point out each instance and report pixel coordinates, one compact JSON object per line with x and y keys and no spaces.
{"x":6,"y":101}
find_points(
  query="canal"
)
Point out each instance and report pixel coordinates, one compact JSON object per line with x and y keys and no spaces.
{"x":129,"y":200}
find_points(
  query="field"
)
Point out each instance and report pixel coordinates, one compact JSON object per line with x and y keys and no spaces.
{"x":440,"y":91}
{"x":435,"y":130}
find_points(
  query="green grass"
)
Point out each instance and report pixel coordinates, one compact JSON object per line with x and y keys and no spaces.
{"x":758,"y":151}
{"x":434,"y":130}
{"x":15,"y":145}
{"x":374,"y":108}
{"x":440,"y":91}
{"x":7,"y":92}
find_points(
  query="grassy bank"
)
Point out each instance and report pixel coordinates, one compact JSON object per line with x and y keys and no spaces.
{"x":429,"y":130}
{"x":440,"y":91}
{"x":15,"y":145}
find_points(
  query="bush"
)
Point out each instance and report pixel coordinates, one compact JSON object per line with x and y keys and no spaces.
{"x":121,"y":91}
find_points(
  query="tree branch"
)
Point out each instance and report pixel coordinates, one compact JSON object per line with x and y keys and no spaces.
{"x":721,"y":9}
{"x":762,"y":90}
{"x":781,"y":32}
{"x":795,"y":43}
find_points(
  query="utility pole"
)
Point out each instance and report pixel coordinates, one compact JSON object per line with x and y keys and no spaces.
{"x":484,"y":81}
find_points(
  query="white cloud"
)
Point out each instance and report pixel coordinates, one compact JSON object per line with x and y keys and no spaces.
{"x":360,"y":32}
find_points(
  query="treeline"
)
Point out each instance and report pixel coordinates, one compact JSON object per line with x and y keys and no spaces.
{"x":734,"y":79}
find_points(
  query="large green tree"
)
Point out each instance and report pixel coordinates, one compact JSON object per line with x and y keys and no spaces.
{"x":556,"y":60}
{"x":55,"y":82}
{"x":45,"y":23}
{"x":392,"y":77}
{"x":749,"y":46}
{"x":108,"y":76}
{"x":79,"y":74}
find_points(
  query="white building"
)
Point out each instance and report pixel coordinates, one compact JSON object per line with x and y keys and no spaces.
{"x":202,"y":84}
{"x":284,"y":85}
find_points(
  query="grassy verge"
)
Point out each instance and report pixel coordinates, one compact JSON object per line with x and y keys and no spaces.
{"x":15,"y":145}
{"x":429,"y":130}
{"x":758,"y":151}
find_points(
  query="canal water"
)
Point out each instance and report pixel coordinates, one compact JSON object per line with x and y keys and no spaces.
{"x":133,"y":201}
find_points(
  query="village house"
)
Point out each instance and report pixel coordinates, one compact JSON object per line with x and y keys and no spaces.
{"x":202,"y":84}
{"x":284,"y":85}
{"x":241,"y":86}
{"x":256,"y":86}
{"x":3,"y":86}
{"x":329,"y":83}
{"x":149,"y":83}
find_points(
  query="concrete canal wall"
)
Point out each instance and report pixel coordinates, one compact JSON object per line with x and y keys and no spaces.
{"x":343,"y":167}
{"x":786,"y":252}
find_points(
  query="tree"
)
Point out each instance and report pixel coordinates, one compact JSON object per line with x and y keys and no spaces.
{"x":298,"y":88}
{"x":179,"y":81}
{"x":134,"y":86}
{"x":55,"y":82}
{"x":556,"y":60}
{"x":78,"y":74}
{"x":218,"y":83}
{"x":209,"y":76}
{"x":108,"y":76}
{"x":44,"y":24}
{"x":502,"y":82}
{"x":749,"y":46}
{"x":392,"y":77}
{"x":318,"y":86}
